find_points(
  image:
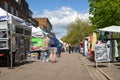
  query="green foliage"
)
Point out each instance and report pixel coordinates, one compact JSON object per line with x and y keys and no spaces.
{"x":105,"y":12}
{"x":77,"y":31}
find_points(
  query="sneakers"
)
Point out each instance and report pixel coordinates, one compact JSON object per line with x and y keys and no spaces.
{"x":47,"y":60}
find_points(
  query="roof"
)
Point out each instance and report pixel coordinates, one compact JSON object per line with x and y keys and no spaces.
{"x":37,"y":32}
{"x":111,"y":29}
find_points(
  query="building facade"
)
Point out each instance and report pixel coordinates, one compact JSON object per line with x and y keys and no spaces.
{"x":19,"y":8}
{"x":45,"y":24}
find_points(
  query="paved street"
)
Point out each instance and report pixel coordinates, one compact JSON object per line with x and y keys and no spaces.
{"x":68,"y":67}
{"x":103,"y":71}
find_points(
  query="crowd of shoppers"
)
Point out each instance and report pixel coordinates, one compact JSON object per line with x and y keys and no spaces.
{"x":53,"y":48}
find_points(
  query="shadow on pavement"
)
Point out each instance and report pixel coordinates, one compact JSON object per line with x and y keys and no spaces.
{"x":17,"y":64}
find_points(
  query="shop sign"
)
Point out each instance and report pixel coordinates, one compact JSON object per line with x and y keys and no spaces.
{"x":2,"y":18}
{"x":101,"y":53}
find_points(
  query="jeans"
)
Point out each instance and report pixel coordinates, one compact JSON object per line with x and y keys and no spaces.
{"x":44,"y":56}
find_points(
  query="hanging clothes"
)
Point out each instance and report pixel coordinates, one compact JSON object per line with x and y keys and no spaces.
{"x":116,"y":48}
{"x":94,"y":40}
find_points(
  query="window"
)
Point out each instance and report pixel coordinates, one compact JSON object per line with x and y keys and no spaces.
{"x":27,"y":32}
{"x":12,"y":10}
{"x":19,"y":30}
{"x":30,"y":15}
{"x":0,"y":1}
{"x":17,"y":0}
{"x":6,"y":6}
{"x":16,"y":13}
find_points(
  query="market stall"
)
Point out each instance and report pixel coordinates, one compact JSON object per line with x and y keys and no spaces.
{"x":85,"y":47}
{"x":113,"y":39}
{"x":15,"y":36}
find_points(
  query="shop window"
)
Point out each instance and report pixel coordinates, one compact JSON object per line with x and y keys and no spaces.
{"x":27,"y":32}
{"x":19,"y":30}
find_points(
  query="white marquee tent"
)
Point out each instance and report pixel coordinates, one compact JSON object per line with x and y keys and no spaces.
{"x":37,"y":32}
{"x":111,"y":29}
{"x":14,"y":19}
{"x":2,"y":12}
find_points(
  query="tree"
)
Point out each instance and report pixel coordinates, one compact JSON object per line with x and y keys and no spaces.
{"x":105,"y":12}
{"x":77,"y":31}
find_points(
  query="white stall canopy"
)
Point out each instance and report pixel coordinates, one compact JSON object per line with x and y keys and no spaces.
{"x":37,"y":32}
{"x":5,"y":16}
{"x":111,"y":29}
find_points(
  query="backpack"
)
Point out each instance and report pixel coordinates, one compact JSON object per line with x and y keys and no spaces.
{"x":52,"y":42}
{"x":57,"y":43}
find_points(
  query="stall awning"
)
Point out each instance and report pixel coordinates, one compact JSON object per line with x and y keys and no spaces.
{"x":37,"y":32}
{"x":5,"y":16}
{"x":111,"y":29}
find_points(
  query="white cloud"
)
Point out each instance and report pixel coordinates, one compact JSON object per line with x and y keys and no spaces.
{"x":60,"y":18}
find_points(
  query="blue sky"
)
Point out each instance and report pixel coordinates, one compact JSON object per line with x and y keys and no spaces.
{"x":79,"y":5}
{"x":60,"y":12}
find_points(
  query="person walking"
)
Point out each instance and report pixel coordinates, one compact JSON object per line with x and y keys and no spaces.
{"x":46,"y":49}
{"x":52,"y":47}
{"x":70,"y":48}
{"x":59,"y":47}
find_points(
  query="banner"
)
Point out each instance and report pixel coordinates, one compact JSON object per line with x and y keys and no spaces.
{"x":3,"y":18}
{"x":101,"y":53}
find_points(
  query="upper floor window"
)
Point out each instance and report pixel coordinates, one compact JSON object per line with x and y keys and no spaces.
{"x":17,"y":0}
{"x":0,"y":1}
{"x":12,"y":10}
{"x":6,"y":6}
{"x":16,"y":13}
{"x":30,"y":15}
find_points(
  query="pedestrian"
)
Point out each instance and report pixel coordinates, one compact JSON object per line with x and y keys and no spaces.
{"x":70,"y":48}
{"x":52,"y":47}
{"x":46,"y":49}
{"x":38,"y":50}
{"x":59,"y":47}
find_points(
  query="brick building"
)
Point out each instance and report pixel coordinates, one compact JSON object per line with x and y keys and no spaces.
{"x":19,"y":8}
{"x":45,"y":24}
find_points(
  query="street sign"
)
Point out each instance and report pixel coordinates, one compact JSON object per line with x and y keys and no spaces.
{"x":101,"y":53}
